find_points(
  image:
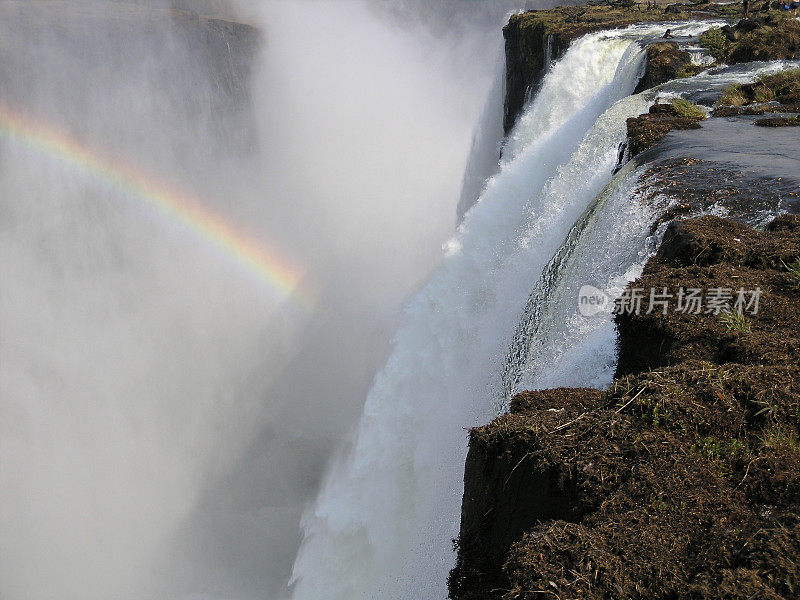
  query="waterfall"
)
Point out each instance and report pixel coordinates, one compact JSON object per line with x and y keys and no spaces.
{"x":389,"y":505}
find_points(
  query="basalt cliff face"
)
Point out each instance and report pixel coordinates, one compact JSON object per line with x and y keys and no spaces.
{"x":682,"y":480}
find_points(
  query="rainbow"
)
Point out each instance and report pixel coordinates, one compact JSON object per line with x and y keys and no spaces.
{"x":283,"y":277}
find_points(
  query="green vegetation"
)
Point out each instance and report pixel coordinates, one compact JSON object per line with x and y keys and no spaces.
{"x":781,"y":437}
{"x":715,"y":42}
{"x":794,"y":271}
{"x":735,"y":322}
{"x":783,"y":86}
{"x":775,"y":37}
{"x":687,"y":109}
{"x":783,"y":83}
{"x":733,"y":96}
{"x":653,"y":411}
{"x":761,"y":93}
{"x":715,"y":449}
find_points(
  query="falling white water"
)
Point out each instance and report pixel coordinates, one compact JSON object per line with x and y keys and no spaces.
{"x":164,"y":415}
{"x":555,"y":344}
{"x":382,"y":523}
{"x":484,"y":158}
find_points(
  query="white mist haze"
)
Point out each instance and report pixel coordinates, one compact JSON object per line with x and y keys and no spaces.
{"x":165,"y":415}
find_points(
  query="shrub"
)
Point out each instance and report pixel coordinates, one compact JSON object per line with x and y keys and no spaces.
{"x":715,"y":42}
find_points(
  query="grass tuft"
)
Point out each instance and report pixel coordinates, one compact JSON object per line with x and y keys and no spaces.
{"x":794,"y":272}
{"x":687,"y":109}
{"x":735,"y":322}
{"x":780,"y":437}
{"x":733,"y":96}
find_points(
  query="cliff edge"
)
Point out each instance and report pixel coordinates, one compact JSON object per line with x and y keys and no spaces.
{"x":683,"y":479}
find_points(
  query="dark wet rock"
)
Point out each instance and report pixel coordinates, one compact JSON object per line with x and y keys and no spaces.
{"x":729,"y":33}
{"x":697,"y":186}
{"x":665,"y":61}
{"x":528,"y":46}
{"x":646,"y":130}
{"x":779,"y":122}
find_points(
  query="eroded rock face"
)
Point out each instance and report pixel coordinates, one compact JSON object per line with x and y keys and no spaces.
{"x":682,"y":480}
{"x":512,"y":482}
{"x":665,"y":61}
{"x":528,"y":45}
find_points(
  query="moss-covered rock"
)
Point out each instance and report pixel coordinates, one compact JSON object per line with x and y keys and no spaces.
{"x":646,"y":130}
{"x":782,"y":87}
{"x":665,"y":61}
{"x":710,"y":253}
{"x":779,"y":122}
{"x":773,"y":36}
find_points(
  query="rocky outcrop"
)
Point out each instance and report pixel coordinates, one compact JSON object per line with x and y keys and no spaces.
{"x":779,"y":122}
{"x":529,"y":46}
{"x":717,"y":253}
{"x":665,"y":61}
{"x":512,"y":482}
{"x":535,"y":37}
{"x":683,"y":479}
{"x":770,"y":36}
{"x":646,"y":130}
